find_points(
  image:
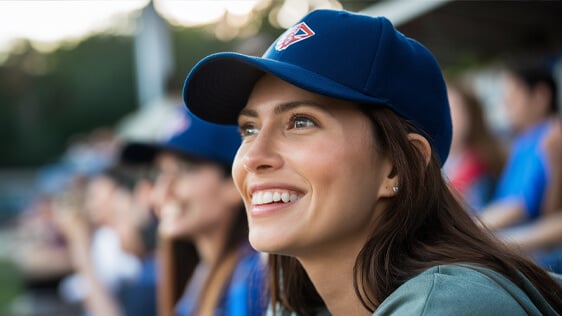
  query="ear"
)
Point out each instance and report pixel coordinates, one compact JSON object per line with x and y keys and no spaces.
{"x":422,"y":145}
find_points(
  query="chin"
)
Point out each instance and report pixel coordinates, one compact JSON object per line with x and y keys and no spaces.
{"x":268,"y":244}
{"x":274,"y":246}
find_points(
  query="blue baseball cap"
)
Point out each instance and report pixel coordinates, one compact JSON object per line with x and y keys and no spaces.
{"x":191,"y":137}
{"x":339,"y":54}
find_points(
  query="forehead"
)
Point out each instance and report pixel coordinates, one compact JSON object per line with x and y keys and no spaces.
{"x":274,"y":91}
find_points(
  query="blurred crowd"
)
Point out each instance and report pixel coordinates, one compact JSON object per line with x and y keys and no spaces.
{"x":154,"y":226}
{"x":512,"y":185}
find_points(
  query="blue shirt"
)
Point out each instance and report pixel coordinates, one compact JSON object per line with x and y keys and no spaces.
{"x":525,"y":177}
{"x":244,"y":295}
{"x":138,"y":296}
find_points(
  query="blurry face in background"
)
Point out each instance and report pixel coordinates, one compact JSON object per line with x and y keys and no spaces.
{"x":520,"y":106}
{"x":460,"y":119}
{"x":128,"y":220}
{"x":98,"y":199}
{"x":191,"y":197}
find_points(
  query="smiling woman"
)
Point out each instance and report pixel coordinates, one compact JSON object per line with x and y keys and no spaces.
{"x":351,"y":117}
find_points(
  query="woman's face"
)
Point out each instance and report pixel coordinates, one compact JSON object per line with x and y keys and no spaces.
{"x":518,"y":103}
{"x":308,"y":171}
{"x":191,"y":198}
{"x":127,"y":220}
{"x":460,"y":118}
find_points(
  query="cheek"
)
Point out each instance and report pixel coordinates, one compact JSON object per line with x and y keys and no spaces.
{"x":238,"y":171}
{"x":338,"y":170}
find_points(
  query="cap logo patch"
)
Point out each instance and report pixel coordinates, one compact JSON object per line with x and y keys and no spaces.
{"x":295,"y":34}
{"x":176,"y":127}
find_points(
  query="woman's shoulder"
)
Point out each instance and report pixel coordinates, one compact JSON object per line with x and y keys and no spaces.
{"x":463,"y":289}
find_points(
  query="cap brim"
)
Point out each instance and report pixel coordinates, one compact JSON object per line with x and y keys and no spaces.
{"x":145,"y":153}
{"x":218,"y":87}
{"x":138,"y":153}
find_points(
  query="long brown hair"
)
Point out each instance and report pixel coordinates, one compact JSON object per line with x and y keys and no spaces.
{"x":423,"y":226}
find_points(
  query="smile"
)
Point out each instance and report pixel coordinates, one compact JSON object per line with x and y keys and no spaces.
{"x":274,"y":196}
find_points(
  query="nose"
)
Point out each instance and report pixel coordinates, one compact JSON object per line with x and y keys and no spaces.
{"x":261,"y":154}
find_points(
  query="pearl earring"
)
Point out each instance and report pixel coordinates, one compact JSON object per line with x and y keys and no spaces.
{"x":395,"y":189}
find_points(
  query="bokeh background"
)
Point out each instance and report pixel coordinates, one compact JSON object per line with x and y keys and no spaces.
{"x":85,"y":72}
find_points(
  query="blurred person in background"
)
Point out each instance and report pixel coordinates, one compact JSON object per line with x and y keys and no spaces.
{"x":40,"y":250}
{"x":476,"y":157}
{"x":530,"y":104}
{"x":208,"y":266}
{"x":542,"y":239}
{"x":89,"y":226}
{"x":41,"y":256}
{"x":135,"y":228}
{"x":552,"y":145}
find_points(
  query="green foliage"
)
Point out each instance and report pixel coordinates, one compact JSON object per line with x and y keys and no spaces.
{"x":46,"y":98}
{"x":11,"y":285}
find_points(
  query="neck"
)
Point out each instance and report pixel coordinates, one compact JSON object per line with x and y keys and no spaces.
{"x":532,"y":122}
{"x":336,"y":289}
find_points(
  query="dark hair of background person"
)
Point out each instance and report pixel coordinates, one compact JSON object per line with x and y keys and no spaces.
{"x":534,"y":71}
{"x":128,"y":175}
{"x":423,"y":226}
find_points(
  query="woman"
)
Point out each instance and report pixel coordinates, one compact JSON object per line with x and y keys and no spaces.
{"x":203,"y":227}
{"x":476,"y":158}
{"x":127,"y":249}
{"x":530,"y":94}
{"x":345,"y":126}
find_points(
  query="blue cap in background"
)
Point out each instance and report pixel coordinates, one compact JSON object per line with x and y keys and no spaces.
{"x":338,"y":54}
{"x":191,"y":137}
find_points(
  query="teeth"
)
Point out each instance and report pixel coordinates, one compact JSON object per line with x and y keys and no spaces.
{"x":293,"y":197}
{"x":266,"y":197}
{"x":256,"y":198}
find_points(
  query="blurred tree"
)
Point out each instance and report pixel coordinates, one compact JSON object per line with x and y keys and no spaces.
{"x":46,"y":98}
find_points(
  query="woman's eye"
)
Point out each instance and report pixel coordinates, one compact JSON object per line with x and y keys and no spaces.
{"x":248,"y":130}
{"x":299,"y":121}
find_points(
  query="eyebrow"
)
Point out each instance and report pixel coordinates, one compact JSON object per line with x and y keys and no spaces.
{"x":283,"y":107}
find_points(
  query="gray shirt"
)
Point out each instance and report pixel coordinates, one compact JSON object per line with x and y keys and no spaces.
{"x":461,"y":290}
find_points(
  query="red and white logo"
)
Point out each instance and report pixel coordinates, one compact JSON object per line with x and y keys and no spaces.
{"x":177,"y":126}
{"x":295,"y":34}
